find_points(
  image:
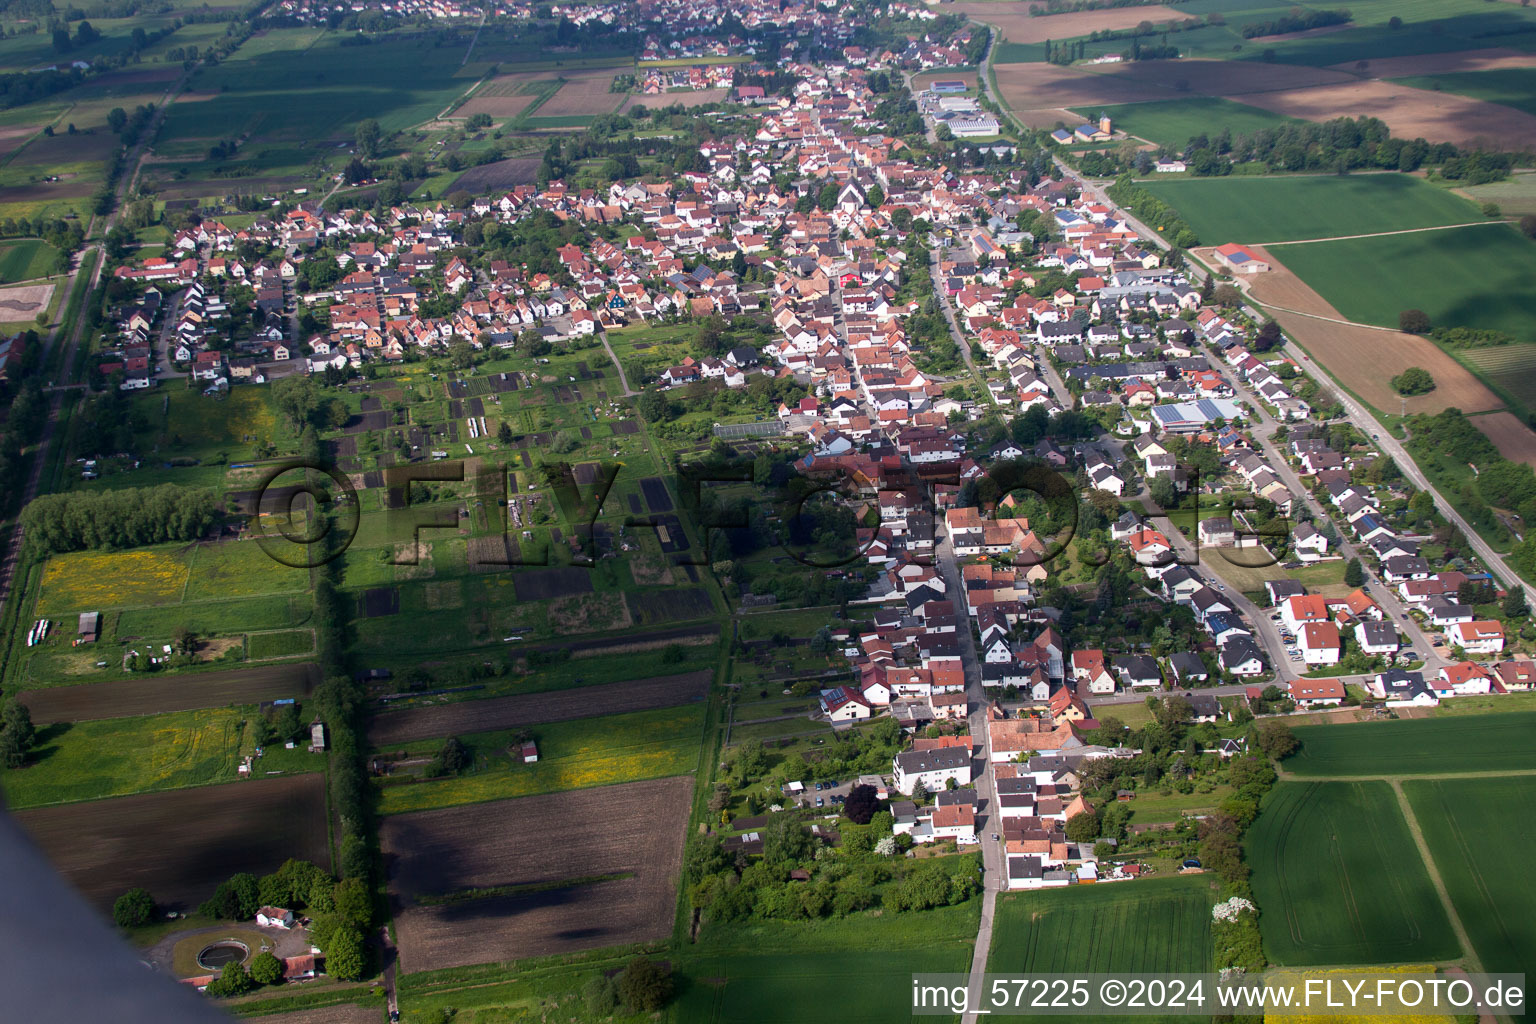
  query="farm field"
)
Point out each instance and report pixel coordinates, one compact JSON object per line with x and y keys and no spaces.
{"x":160,"y":694}
{"x":1320,"y":853}
{"x":108,"y":846}
{"x":1174,"y":122}
{"x":1480,"y":858}
{"x":1482,"y":277}
{"x":1425,"y":746}
{"x":1017,"y":26}
{"x":1516,"y":195}
{"x":1159,"y":924}
{"x":1363,"y":358}
{"x":635,"y":829}
{"x":25,"y":260}
{"x":392,"y":728}
{"x":1511,"y":87}
{"x":573,"y":755}
{"x":1510,"y":435}
{"x":1258,"y":211}
{"x":120,"y":756}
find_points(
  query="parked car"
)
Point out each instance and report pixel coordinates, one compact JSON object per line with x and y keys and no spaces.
{"x":820,"y":801}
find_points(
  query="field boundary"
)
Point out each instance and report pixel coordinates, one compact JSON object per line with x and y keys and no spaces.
{"x":1468,"y":951}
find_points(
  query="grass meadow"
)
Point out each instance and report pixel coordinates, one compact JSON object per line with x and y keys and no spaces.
{"x":576,"y":754}
{"x":25,"y":260}
{"x":119,"y":756}
{"x":1466,"y":823}
{"x":1483,"y":277}
{"x":1159,"y":924}
{"x":1174,"y":122}
{"x":1513,"y":87}
{"x":1287,"y":209}
{"x":1340,"y":881}
{"x":1421,"y":746}
{"x":856,"y":968}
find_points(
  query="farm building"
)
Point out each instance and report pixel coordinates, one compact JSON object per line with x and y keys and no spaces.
{"x":90,"y":627}
{"x":1240,"y":260}
{"x":316,"y":737}
{"x":530,"y":752}
{"x":948,"y":86}
{"x":275,"y":917}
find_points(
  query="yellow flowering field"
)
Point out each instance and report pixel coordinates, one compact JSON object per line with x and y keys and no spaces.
{"x":91,"y":580}
{"x":572,"y":755}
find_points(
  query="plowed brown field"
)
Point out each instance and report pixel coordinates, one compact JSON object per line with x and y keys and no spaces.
{"x":635,"y":828}
{"x":395,"y":727}
{"x":1013,"y":19}
{"x":181,"y":844}
{"x":154,"y":696}
{"x":1514,"y":440}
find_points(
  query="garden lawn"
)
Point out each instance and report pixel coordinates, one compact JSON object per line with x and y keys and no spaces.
{"x":1339,"y":880}
{"x":1483,"y":861}
{"x":1255,"y":211}
{"x":1173,"y":123}
{"x":1421,"y":746}
{"x":572,"y":755}
{"x":119,"y":756}
{"x":1482,"y":276}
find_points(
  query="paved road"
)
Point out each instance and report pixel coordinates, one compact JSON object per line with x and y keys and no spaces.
{"x":993,"y":870}
{"x":954,"y":325}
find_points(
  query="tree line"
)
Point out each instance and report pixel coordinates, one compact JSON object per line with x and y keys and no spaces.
{"x":126,"y":518}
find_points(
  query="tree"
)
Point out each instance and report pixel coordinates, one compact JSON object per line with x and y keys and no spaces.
{"x":117,"y":120}
{"x":1276,"y":740}
{"x":1082,"y":828}
{"x":297,"y":397}
{"x":653,"y":405}
{"x":450,"y":760}
{"x":367,"y":138}
{"x":1413,"y":381}
{"x":645,"y":986}
{"x":16,"y":733}
{"x":785,"y":840}
{"x":1163,"y":491}
{"x":1513,"y":605}
{"x":1268,"y":336}
{"x":234,"y":980}
{"x":1528,"y":225}
{"x":1413,"y":321}
{"x":1354,"y":574}
{"x":344,"y":955}
{"x":600,"y":995}
{"x":133,"y":908}
{"x":919,"y":792}
{"x":861,"y":804}
{"x":266,"y":969}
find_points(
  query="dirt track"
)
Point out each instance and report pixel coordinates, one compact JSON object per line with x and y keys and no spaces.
{"x":1363,"y":358}
{"x":635,"y":828}
{"x":157,"y":695}
{"x":395,"y":727}
{"x":181,"y":844}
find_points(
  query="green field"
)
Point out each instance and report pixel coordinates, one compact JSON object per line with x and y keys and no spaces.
{"x":572,"y":755}
{"x":1515,"y":195}
{"x":1513,"y":87}
{"x":1510,"y":369}
{"x":1287,"y":209}
{"x":1153,"y":925}
{"x":1481,"y":277}
{"x":282,"y":644}
{"x":26,"y":259}
{"x":1482,"y":860}
{"x":1174,"y":122}
{"x":118,"y":756}
{"x":1339,"y":880}
{"x":1421,"y":746}
{"x":851,"y":969}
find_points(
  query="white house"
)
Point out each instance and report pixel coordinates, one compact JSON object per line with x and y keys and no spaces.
{"x":933,"y":768}
{"x":1477,"y":637}
{"x":274,"y":917}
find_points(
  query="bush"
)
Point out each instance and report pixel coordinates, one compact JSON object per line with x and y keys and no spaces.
{"x":1413,"y":381}
{"x":1528,"y":225}
{"x":600,"y":995}
{"x":133,"y":908}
